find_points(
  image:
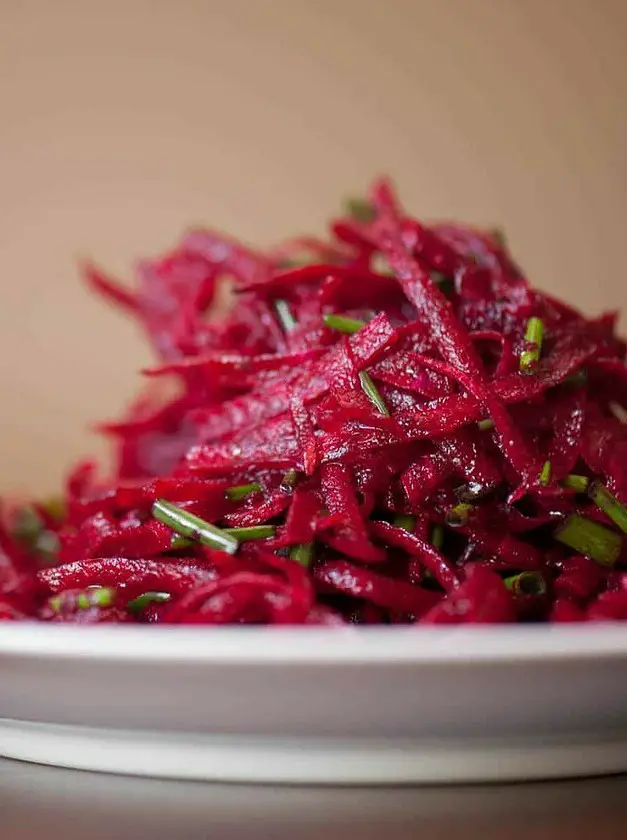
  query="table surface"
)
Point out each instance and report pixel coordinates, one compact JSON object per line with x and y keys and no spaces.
{"x":38,"y":802}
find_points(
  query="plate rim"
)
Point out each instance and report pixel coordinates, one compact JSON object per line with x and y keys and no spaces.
{"x":307,"y":646}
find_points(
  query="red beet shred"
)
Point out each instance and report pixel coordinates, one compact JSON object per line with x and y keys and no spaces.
{"x":391,"y":427}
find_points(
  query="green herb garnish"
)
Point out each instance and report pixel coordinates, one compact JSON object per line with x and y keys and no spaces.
{"x":545,"y":474}
{"x":140,"y":603}
{"x":459,"y":515}
{"x":437,"y":537}
{"x":360,"y":210}
{"x":526,"y":583}
{"x":534,"y":334}
{"x":284,"y":314}
{"x":578,"y":483}
{"x":588,"y":537}
{"x":302,"y":553}
{"x":405,"y":521}
{"x":192,"y":527}
{"x":371,"y":391}
{"x":343,"y":324}
{"x":240,"y":491}
{"x":251,"y":532}
{"x":289,"y":480}
{"x":609,"y":504}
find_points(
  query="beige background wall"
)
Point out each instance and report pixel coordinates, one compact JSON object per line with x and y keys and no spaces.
{"x":121,"y":122}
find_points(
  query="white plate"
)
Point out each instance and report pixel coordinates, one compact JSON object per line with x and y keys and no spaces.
{"x":367,"y":706}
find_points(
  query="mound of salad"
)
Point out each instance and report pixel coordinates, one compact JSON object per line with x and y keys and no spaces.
{"x":388,"y":426}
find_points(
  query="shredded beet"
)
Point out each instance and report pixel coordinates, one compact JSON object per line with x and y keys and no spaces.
{"x":388,"y":427}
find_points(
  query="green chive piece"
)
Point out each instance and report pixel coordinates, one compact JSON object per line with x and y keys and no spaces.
{"x":289,"y":480}
{"x":459,"y":515}
{"x":618,"y":411}
{"x":380,"y":265}
{"x":47,"y":545}
{"x":534,"y":334}
{"x":100,"y":596}
{"x":498,"y":234}
{"x":295,"y":262}
{"x":578,"y":483}
{"x":360,"y":210}
{"x":577,"y":379}
{"x":370,"y":390}
{"x":193,"y":527}
{"x":343,"y":324}
{"x":444,"y":283}
{"x":252,"y":532}
{"x":82,"y":601}
{"x":284,"y":314}
{"x":526,"y":583}
{"x":405,"y":521}
{"x":28,"y":529}
{"x":437,"y":537}
{"x":486,"y":425}
{"x":545,"y":474}
{"x":588,"y":537}
{"x":609,"y":504}
{"x":302,"y":553}
{"x":27,"y":525}
{"x":55,"y":507}
{"x":140,"y":603}
{"x":177,"y":542}
{"x":240,"y":491}
{"x":55,"y":603}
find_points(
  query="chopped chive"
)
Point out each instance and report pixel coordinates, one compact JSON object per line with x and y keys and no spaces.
{"x":55,"y":603}
{"x":243,"y":534}
{"x":289,"y":480}
{"x":526,"y":583}
{"x":193,"y":527}
{"x":609,"y":504}
{"x":578,"y":483}
{"x":444,"y":283}
{"x":485,"y":425}
{"x":284,"y":314}
{"x":55,"y":507}
{"x":27,"y":525}
{"x":142,"y":601}
{"x":28,"y":529}
{"x":370,"y":390}
{"x":577,"y":379}
{"x":295,"y":262}
{"x":588,"y":537}
{"x":437,"y":537}
{"x":380,"y":265}
{"x":545,"y":474}
{"x":459,"y":515}
{"x":240,"y":491}
{"x":360,"y":210}
{"x":178,"y":542}
{"x":252,"y":532}
{"x":618,"y":411}
{"x":498,"y":234}
{"x":302,"y":553}
{"x":343,"y":324}
{"x":47,"y":544}
{"x":534,"y":334}
{"x":405,"y":521}
{"x":101,"y":596}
